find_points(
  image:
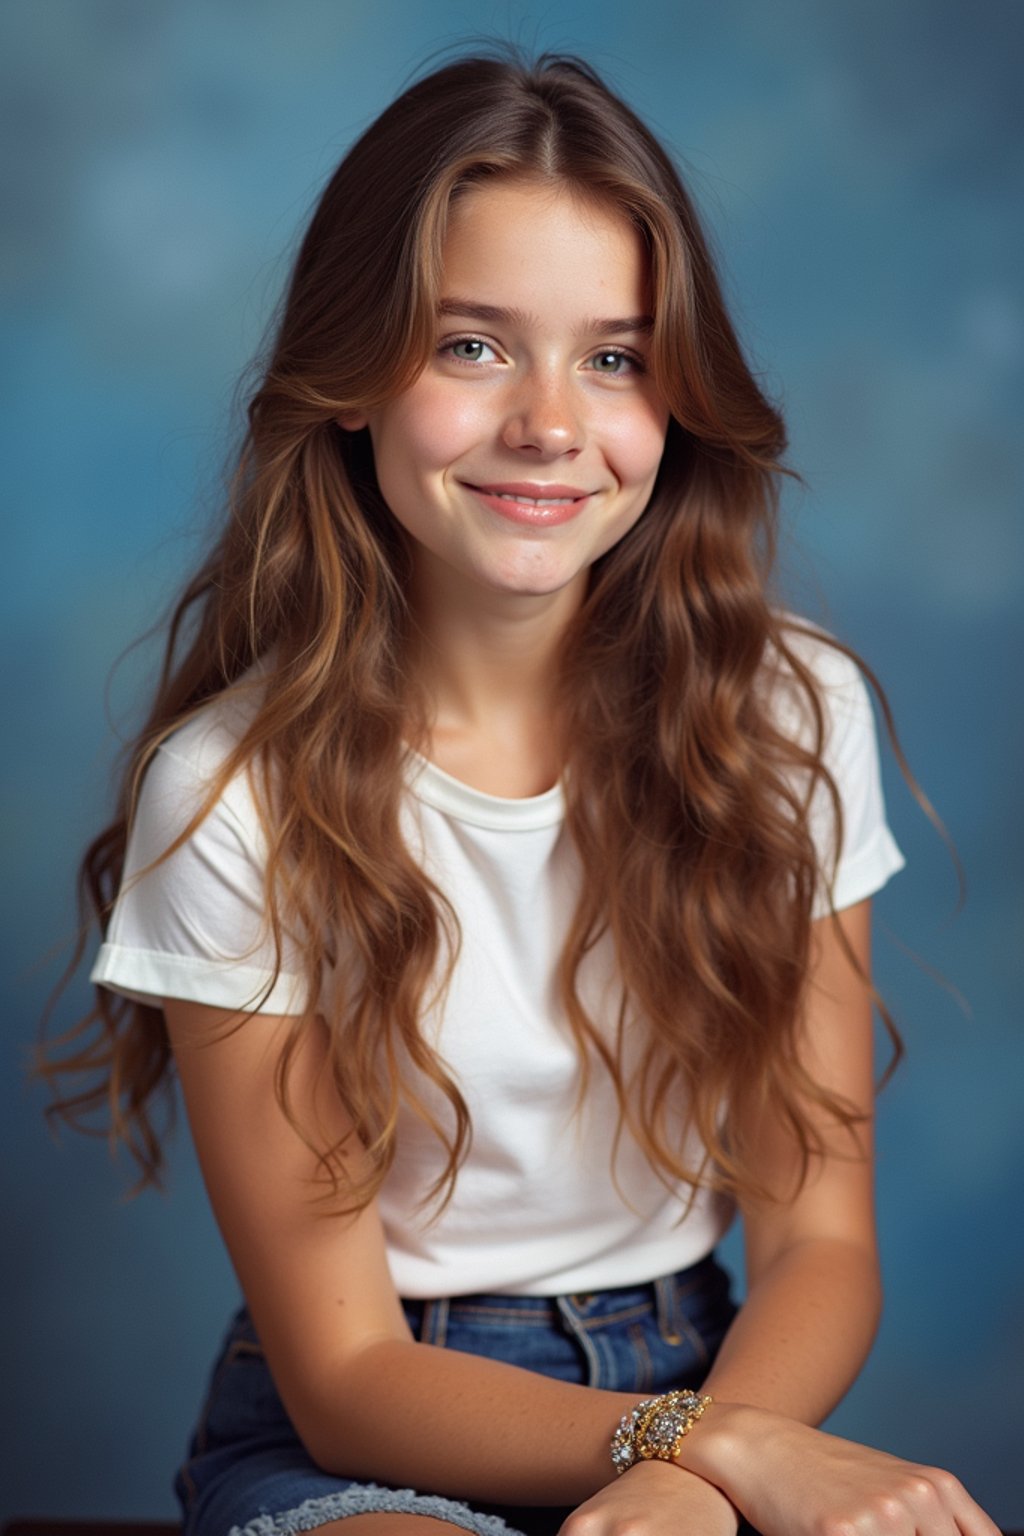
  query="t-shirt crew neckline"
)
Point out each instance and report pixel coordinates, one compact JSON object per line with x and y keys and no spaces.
{"x":436,"y":788}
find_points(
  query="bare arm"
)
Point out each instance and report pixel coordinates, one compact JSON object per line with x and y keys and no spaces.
{"x":812,"y":1266}
{"x":812,"y":1262}
{"x":813,"y":1307}
{"x":326,"y":1310}
{"x":338,"y":1345}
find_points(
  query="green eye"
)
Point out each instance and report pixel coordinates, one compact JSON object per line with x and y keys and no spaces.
{"x":612,"y":362}
{"x":470,"y":349}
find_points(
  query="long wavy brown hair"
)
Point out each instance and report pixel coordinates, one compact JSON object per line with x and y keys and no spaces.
{"x":677,"y":776}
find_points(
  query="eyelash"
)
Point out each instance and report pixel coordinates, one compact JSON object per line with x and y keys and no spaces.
{"x":446,"y":349}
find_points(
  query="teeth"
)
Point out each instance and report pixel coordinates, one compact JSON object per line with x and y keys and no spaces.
{"x":536,"y":501}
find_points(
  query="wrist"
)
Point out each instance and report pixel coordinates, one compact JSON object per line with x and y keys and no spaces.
{"x":654,"y":1429}
{"x":721,"y":1446}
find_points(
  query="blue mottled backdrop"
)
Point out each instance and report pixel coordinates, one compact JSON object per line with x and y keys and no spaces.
{"x":860,"y":163}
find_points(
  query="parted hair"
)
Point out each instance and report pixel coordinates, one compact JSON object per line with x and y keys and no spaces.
{"x":686,"y":801}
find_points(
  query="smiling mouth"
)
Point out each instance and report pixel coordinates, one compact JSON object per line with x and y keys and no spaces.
{"x":535,"y":501}
{"x":532,"y":496}
{"x":526,"y":505}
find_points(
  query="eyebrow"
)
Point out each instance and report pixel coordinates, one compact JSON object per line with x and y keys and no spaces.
{"x":496,"y":314}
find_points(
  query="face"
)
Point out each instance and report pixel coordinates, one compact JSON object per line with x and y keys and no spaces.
{"x":529,"y":444}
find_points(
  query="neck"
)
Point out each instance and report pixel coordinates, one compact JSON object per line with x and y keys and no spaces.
{"x":482,"y":667}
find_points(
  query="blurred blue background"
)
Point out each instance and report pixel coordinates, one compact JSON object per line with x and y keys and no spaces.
{"x":860,"y":164}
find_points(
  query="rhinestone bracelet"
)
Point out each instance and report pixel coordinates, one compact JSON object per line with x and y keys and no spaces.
{"x":655,"y":1428}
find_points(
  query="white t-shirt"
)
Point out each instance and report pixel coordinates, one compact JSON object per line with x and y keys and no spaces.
{"x":538,"y":1209}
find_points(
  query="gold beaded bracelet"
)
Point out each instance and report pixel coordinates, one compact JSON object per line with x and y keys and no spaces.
{"x":654,"y":1430}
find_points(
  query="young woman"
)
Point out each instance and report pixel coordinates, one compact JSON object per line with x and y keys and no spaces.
{"x":494,"y":872}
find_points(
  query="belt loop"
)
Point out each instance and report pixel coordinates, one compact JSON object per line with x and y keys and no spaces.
{"x":576,"y":1328}
{"x":665,"y":1309}
{"x":434,"y":1323}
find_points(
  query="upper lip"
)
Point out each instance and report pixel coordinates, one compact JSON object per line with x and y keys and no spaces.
{"x":531,"y":489}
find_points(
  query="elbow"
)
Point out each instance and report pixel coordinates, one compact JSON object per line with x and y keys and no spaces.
{"x":320,"y":1425}
{"x":336,"y":1415}
{"x":327,"y":1436}
{"x":323,"y":1449}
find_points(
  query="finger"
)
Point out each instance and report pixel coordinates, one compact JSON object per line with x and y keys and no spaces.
{"x":973,"y":1521}
{"x":969,"y":1518}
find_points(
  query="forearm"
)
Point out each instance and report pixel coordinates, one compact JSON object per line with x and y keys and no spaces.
{"x":478,"y":1428}
{"x":804,"y":1331}
{"x":427,"y":1417}
{"x":794,"y":1349}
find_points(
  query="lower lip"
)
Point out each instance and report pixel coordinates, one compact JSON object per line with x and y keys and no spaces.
{"x":528,"y":514}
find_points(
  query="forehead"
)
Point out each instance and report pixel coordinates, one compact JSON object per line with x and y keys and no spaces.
{"x":520,"y":243}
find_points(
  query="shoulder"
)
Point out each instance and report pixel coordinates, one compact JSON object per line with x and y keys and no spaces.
{"x":186,"y":774}
{"x":204,"y":742}
{"x":816,"y":676}
{"x":191,"y":917}
{"x":820,"y":702}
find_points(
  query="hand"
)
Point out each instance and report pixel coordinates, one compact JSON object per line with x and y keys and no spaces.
{"x":654,"y":1499}
{"x":797,"y":1481}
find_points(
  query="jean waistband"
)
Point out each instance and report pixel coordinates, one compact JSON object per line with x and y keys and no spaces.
{"x":662,"y":1296}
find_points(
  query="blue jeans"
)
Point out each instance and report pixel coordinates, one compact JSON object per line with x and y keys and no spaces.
{"x":248,"y":1473}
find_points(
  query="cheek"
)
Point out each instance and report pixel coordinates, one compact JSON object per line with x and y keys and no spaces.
{"x":635,"y":441}
{"x":429,"y":429}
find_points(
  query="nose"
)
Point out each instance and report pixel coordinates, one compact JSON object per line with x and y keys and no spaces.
{"x":543,"y":418}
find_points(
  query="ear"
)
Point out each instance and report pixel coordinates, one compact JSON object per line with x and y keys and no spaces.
{"x":352,"y":421}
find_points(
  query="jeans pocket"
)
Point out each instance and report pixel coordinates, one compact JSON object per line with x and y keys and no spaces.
{"x":242,"y":1401}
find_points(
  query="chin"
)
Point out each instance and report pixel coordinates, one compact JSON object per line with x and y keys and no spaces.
{"x":536,"y":586}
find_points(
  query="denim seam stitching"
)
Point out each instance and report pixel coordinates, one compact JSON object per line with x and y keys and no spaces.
{"x":578,"y":1330}
{"x":642,"y":1355}
{"x":434,"y":1323}
{"x":528,"y":1319}
{"x":631,"y":1314}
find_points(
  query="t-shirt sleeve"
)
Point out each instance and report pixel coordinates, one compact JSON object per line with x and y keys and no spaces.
{"x":193,"y":926}
{"x":868,"y":855}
